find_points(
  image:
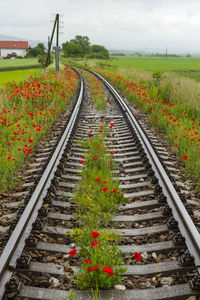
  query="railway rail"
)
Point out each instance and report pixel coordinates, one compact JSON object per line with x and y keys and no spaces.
{"x":154,"y":221}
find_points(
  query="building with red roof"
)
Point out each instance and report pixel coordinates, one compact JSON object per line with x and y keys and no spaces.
{"x":13,"y":48}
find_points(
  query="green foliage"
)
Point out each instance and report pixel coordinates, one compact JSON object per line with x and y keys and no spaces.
{"x":97,"y":197}
{"x":80,"y":47}
{"x":98,"y":51}
{"x":97,"y":91}
{"x":39,"y":50}
{"x":71,"y":49}
{"x":83,"y":42}
{"x":28,"y":109}
{"x":176,"y":119}
{"x":99,"y":256}
{"x":43,"y":58}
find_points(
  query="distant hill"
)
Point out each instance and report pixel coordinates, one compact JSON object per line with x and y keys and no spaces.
{"x":31,"y":43}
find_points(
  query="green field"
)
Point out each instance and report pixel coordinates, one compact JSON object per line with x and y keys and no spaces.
{"x":17,"y":75}
{"x":172,"y":64}
{"x":14,"y":64}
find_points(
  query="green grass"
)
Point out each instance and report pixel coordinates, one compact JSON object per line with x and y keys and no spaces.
{"x":157,"y":63}
{"x":14,"y":64}
{"x":17,"y":75}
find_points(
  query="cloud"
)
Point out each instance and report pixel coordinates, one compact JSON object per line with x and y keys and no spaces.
{"x":120,"y":24}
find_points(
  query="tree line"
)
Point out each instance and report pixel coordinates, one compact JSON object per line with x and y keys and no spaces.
{"x":80,"y":46}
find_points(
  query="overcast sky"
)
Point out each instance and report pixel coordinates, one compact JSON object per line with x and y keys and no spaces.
{"x":116,"y":24}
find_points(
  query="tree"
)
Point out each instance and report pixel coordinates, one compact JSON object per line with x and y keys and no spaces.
{"x":83,"y":41}
{"x":98,"y":51}
{"x":36,"y":51}
{"x":71,"y":49}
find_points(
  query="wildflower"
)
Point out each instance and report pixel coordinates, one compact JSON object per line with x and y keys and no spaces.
{"x":111,"y":125}
{"x":109,"y":161}
{"x":82,"y":162}
{"x":137,"y":256}
{"x":82,"y":156}
{"x":108,"y":270}
{"x":104,"y":189}
{"x":112,"y":153}
{"x":96,"y":267}
{"x":95,"y":158}
{"x":185,"y":157}
{"x":95,"y":243}
{"x":30,"y":140}
{"x":113,"y":191}
{"x":88,"y":261}
{"x":72,"y":252}
{"x":90,"y":269}
{"x":95,"y":234}
{"x":105,"y":181}
{"x":97,"y":179}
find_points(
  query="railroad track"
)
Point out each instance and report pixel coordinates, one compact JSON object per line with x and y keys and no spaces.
{"x":154,"y":222}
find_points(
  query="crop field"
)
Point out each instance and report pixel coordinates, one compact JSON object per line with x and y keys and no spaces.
{"x":17,"y":75}
{"x":16,"y":64}
{"x":172,"y":64}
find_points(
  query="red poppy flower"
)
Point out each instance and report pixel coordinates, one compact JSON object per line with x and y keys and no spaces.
{"x":137,"y":256}
{"x":88,"y":261}
{"x":112,"y":153}
{"x":100,"y":131}
{"x":96,"y":267}
{"x":82,"y":156}
{"x":104,"y":189}
{"x":72,"y":252}
{"x":109,"y":161}
{"x":90,"y":269}
{"x":185,"y":157}
{"x":95,"y":234}
{"x":108,"y":270}
{"x":111,"y":125}
{"x":82,"y":162}
{"x":105,"y":182}
{"x":97,"y":179}
{"x":90,"y":131}
{"x":101,"y":127}
{"x":30,"y":140}
{"x":95,"y":158}
{"x":112,"y":191}
{"x":95,"y":243}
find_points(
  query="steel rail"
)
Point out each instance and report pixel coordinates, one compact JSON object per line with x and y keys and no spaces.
{"x":16,"y":242}
{"x":185,"y":223}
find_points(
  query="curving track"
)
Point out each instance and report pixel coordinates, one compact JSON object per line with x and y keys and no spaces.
{"x":154,"y":221}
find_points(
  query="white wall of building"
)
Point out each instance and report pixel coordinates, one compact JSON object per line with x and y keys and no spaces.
{"x":20,"y":52}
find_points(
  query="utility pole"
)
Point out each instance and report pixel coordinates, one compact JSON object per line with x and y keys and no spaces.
{"x":56,"y":23}
{"x":166,"y":53}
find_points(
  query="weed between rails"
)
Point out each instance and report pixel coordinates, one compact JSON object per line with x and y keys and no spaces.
{"x":97,"y":197}
{"x":97,"y":90}
{"x":27,"y":111}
